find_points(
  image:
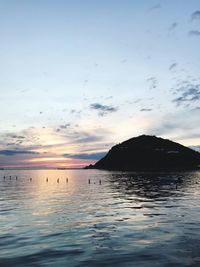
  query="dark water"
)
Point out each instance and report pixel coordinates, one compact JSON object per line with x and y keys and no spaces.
{"x":131,"y":219}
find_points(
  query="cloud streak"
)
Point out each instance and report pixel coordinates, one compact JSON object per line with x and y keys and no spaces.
{"x":146,"y":109}
{"x":17,"y":152}
{"x":92,"y":156}
{"x":157,"y":6}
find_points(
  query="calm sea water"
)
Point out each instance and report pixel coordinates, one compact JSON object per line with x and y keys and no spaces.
{"x":130,"y":219}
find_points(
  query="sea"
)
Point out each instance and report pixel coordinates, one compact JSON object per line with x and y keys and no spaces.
{"x":77,"y":218}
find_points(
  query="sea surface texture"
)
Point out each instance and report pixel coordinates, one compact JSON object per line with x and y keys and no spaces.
{"x":118,"y":219}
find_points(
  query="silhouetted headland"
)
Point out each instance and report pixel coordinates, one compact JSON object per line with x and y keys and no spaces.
{"x":148,"y":153}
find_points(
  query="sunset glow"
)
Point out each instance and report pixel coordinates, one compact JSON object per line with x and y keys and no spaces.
{"x":78,"y":77}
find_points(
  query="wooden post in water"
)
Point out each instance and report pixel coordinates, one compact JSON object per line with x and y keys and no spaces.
{"x":88,"y":181}
{"x":100,"y":181}
{"x":30,"y":179}
{"x":66,"y":180}
{"x":58,"y":180}
{"x":47,"y":179}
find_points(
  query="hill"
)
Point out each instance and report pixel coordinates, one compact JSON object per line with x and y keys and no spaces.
{"x":148,"y":153}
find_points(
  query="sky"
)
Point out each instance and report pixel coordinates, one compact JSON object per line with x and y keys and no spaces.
{"x":77,"y":77}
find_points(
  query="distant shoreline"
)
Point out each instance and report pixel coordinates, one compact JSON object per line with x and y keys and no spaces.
{"x":42,"y":169}
{"x":109,"y":170}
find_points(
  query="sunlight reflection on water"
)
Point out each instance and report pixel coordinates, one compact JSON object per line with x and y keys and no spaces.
{"x":131,"y":219}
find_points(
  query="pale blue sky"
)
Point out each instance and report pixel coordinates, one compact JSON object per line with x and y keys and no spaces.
{"x":103,"y":71}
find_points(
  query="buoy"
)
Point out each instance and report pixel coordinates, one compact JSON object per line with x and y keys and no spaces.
{"x":30,"y":179}
{"x":16,"y":177}
{"x":4,"y":177}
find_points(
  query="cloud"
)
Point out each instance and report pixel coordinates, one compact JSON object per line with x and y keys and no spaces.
{"x":87,"y":138}
{"x":167,"y":125}
{"x":197,"y":108}
{"x":189,"y":93}
{"x":24,"y":90}
{"x":182,"y":125}
{"x":80,"y":136}
{"x":195,"y":15}
{"x":76,"y":112}
{"x":153,"y":82}
{"x":65,"y":126}
{"x":103,"y":109}
{"x":52,"y":145}
{"x":197,"y":148}
{"x":16,"y":152}
{"x":17,"y":136}
{"x":194,"y":33}
{"x":157,"y":6}
{"x":173,"y":66}
{"x":92,"y":156}
{"x":173,"y":26}
{"x":146,"y":109}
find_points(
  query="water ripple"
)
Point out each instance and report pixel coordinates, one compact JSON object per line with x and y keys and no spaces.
{"x":131,"y":219}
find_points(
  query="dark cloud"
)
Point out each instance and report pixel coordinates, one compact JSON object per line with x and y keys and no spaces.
{"x":173,"y":66}
{"x":92,"y":156}
{"x":195,"y":15}
{"x":146,"y":109}
{"x":64,"y":126}
{"x":16,"y":152}
{"x":194,"y":33}
{"x":189,"y":93}
{"x":173,"y":26}
{"x":103,"y":109}
{"x":17,"y":136}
